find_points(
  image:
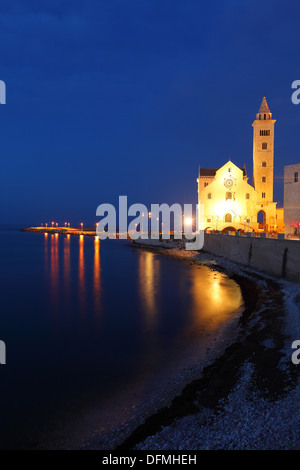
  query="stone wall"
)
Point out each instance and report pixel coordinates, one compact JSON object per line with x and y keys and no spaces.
{"x":273,"y":256}
{"x":278,"y":257}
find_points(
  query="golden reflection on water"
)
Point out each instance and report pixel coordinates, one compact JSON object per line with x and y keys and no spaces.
{"x":210,"y":298}
{"x":215,"y":298}
{"x":67,"y":269}
{"x":58,"y":259}
{"x":46,"y":251}
{"x":149,"y":285}
{"x":97,"y":276}
{"x":54,"y":269}
{"x":81,"y":273}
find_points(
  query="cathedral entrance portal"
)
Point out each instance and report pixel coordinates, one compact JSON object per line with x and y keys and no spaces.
{"x":261,"y":220}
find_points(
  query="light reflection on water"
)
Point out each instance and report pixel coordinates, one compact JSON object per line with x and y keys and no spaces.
{"x":81,"y":277}
{"x":92,"y":316}
{"x":149,"y":285}
{"x":54,"y":269}
{"x":97,"y":277}
{"x":206,"y":298}
{"x":213,"y":300}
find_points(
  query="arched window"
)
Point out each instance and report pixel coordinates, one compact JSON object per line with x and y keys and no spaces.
{"x":264,"y":164}
{"x":228,"y":218}
{"x":209,"y":196}
{"x":228,"y":195}
{"x":247,"y":195}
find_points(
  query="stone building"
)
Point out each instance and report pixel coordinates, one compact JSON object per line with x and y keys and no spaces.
{"x":229,"y":201}
{"x":292,"y":199}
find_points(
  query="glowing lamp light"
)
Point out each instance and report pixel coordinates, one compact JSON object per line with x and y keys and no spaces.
{"x":188,"y":221}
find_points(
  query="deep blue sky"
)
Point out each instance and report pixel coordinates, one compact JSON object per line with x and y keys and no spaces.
{"x":114,"y":97}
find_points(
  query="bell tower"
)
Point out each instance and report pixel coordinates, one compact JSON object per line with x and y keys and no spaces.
{"x":263,"y":153}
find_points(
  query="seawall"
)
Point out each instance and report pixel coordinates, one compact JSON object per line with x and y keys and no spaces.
{"x":278,"y":257}
{"x":273,"y":256}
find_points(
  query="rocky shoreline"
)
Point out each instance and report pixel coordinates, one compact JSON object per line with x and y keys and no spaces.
{"x":248,"y":397}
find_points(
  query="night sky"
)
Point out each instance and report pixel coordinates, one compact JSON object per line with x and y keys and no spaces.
{"x":115,"y":97}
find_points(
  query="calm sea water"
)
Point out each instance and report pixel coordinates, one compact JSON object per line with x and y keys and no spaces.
{"x":82,"y":319}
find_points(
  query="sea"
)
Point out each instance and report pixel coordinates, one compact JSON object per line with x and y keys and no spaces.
{"x":92,"y":327}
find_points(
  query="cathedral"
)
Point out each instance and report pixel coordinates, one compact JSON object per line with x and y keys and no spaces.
{"x":229,"y":201}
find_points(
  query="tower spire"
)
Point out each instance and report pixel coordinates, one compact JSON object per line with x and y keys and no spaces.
{"x":264,"y":108}
{"x":264,"y":111}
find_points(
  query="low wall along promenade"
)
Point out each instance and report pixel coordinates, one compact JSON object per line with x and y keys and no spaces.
{"x":276,"y":256}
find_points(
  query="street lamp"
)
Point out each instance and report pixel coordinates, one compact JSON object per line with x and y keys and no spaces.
{"x":52,"y":224}
{"x":149,"y":229}
{"x":188,"y":222}
{"x":81,"y":226}
{"x":157,"y":225}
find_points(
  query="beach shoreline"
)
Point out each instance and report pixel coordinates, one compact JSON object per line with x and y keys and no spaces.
{"x":261,"y":339}
{"x":252,"y":353}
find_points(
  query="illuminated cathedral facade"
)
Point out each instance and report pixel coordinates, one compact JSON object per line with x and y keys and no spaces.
{"x":229,"y":201}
